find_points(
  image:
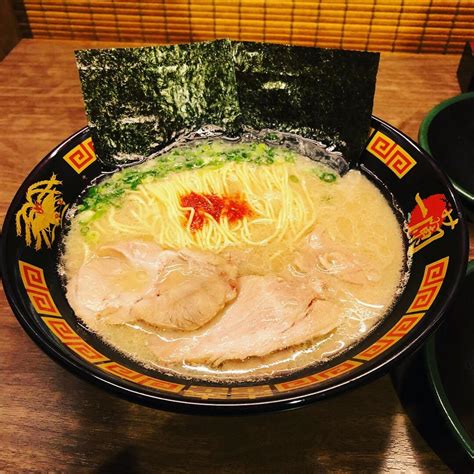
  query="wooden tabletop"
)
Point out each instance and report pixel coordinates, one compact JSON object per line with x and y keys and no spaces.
{"x":51,"y":420}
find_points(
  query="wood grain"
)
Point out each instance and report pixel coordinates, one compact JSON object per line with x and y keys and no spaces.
{"x":51,"y":420}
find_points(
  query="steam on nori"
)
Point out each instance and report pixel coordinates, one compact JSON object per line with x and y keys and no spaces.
{"x":139,"y":98}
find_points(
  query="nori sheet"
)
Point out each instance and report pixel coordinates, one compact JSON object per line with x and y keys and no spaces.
{"x":140,"y":98}
{"x":323,"y":94}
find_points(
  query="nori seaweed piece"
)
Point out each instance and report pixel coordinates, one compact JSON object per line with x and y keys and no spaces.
{"x":139,"y":98}
{"x":323,"y":94}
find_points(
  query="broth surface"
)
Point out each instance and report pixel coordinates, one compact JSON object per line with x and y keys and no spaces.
{"x":301,"y":219}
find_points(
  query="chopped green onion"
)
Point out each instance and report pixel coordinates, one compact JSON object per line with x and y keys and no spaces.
{"x":327,"y":177}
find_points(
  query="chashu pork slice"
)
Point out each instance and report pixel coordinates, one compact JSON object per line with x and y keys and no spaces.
{"x":269,"y":314}
{"x":190,"y":292}
{"x":138,"y":281}
{"x":320,"y":254}
{"x":114,"y":279}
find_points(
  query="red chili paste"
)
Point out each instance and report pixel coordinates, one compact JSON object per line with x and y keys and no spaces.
{"x":205,"y":205}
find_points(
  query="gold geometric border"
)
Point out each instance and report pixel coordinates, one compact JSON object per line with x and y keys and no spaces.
{"x":34,"y":281}
{"x":393,"y":155}
{"x":81,"y":156}
{"x":251,"y":392}
{"x":64,"y":332}
{"x":37,"y":290}
{"x":430,"y":285}
{"x":340,"y":369}
{"x":204,"y":393}
{"x":401,"y":329}
{"x":431,"y":282}
{"x":133,"y":376}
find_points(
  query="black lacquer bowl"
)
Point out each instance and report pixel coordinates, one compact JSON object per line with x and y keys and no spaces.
{"x":436,"y":237}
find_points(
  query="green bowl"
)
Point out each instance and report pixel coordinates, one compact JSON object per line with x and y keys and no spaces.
{"x":447,"y":134}
{"x":436,"y":385}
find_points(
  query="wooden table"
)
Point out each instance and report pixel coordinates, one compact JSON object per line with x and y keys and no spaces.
{"x":51,"y":420}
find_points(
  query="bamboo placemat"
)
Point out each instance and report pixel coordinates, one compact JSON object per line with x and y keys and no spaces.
{"x":434,"y":26}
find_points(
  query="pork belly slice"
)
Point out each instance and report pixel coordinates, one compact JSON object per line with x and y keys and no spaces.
{"x":269,"y":314}
{"x":138,"y":281}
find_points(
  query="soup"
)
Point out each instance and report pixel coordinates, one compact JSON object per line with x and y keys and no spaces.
{"x":232,"y":260}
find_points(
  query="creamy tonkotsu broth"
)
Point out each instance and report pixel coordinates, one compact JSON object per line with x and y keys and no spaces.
{"x":223,"y":260}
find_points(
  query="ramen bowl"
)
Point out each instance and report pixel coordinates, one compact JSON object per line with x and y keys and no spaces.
{"x":435,"y":237}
